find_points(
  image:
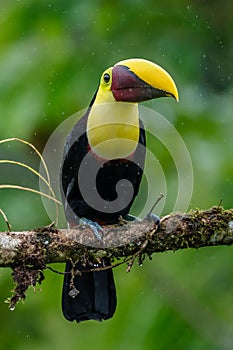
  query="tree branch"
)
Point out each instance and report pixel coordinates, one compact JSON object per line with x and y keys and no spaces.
{"x":177,"y":231}
{"x":28,"y":252}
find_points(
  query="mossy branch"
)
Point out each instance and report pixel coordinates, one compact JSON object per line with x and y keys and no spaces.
{"x":198,"y":228}
{"x":29,"y":252}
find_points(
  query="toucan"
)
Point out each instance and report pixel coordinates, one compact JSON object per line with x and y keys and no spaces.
{"x":109,"y":143}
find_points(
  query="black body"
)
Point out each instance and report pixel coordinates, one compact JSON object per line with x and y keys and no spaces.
{"x":97,"y":297}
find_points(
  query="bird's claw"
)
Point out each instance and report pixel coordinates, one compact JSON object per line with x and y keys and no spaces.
{"x":129,"y":217}
{"x":155,"y":218}
{"x":95,"y":228}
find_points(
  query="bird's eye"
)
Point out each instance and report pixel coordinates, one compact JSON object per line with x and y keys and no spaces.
{"x":106,"y":78}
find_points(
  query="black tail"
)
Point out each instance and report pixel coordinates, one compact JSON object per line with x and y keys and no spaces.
{"x":95,"y":298}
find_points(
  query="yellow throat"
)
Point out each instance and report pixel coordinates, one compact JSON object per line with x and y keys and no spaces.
{"x":113,"y":128}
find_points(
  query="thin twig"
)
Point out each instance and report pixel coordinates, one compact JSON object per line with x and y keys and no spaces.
{"x":5,"y":219}
{"x":161,"y":195}
{"x":48,"y":182}
{"x":138,"y":253}
{"x":17,"y":187}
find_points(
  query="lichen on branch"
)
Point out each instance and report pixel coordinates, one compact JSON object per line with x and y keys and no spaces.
{"x":29,"y":252}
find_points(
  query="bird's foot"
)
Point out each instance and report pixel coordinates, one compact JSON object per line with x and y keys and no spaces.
{"x":155,"y":218}
{"x":94,"y":226}
{"x":129,"y":217}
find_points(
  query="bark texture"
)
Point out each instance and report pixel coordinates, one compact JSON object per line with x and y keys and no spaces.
{"x":29,"y":252}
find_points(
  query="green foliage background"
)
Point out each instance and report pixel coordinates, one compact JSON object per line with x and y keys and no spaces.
{"x":51,"y":56}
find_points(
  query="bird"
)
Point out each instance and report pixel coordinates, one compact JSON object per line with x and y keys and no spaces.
{"x":109,"y":143}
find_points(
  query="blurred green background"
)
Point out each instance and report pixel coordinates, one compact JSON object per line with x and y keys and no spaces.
{"x":51,"y":56}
